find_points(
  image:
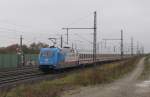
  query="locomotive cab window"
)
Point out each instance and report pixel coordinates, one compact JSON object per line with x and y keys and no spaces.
{"x":47,"y":54}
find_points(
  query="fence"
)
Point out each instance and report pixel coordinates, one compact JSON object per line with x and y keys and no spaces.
{"x":14,"y":60}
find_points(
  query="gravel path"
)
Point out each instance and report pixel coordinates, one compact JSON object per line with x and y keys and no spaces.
{"x":128,"y":86}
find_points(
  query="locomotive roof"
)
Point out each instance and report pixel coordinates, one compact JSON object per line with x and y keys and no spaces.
{"x":49,"y":49}
{"x":57,"y":49}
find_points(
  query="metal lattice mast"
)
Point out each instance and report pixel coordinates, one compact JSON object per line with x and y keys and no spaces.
{"x":122,"y":52}
{"x":94,"y":37}
{"x":131,"y":46}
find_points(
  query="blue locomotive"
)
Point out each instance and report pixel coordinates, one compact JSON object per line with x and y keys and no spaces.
{"x":57,"y":58}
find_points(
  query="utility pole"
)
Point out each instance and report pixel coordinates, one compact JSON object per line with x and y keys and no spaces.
{"x":21,"y":43}
{"x":121,"y":45}
{"x":131,"y":46}
{"x":122,"y":53}
{"x":105,"y":43}
{"x":143,"y":50}
{"x":21,"y":51}
{"x":114,"y":48}
{"x":94,"y":35}
{"x":98,"y":48}
{"x":67,"y":29}
{"x":137,"y":48}
{"x":61,"y":44}
{"x":72,"y":46}
{"x":67,"y":37}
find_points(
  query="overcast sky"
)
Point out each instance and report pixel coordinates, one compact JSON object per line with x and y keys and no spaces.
{"x":37,"y":20}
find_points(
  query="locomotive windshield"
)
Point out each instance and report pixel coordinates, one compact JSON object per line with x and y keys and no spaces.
{"x":46,"y":53}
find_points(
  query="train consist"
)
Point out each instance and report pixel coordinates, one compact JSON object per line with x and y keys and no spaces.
{"x":66,"y":57}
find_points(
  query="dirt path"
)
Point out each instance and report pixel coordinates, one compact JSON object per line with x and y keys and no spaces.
{"x":125,"y":87}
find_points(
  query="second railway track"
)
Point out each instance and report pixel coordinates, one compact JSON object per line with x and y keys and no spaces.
{"x":12,"y":76}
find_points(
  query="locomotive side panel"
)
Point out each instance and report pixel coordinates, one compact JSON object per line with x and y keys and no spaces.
{"x":70,"y":59}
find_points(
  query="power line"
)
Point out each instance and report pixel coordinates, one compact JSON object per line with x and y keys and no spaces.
{"x":80,"y":19}
{"x":121,"y":45}
{"x":84,"y":38}
{"x":94,"y":34}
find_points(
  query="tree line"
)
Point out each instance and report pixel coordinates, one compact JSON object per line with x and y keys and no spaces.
{"x":33,"y":48}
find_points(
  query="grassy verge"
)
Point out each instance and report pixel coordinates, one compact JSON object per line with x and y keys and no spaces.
{"x":92,"y":76}
{"x":146,"y":72}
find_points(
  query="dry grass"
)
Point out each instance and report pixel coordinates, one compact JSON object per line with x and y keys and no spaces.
{"x":146,"y":72}
{"x":102,"y":74}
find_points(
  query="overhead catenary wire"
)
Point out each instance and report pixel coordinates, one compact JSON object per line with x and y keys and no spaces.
{"x":84,"y":39}
{"x":80,"y":19}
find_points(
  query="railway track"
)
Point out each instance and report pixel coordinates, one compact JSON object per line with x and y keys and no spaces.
{"x":11,"y":78}
{"x":8,"y":77}
{"x":18,"y":68}
{"x":17,"y":71}
{"x":8,"y":80}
